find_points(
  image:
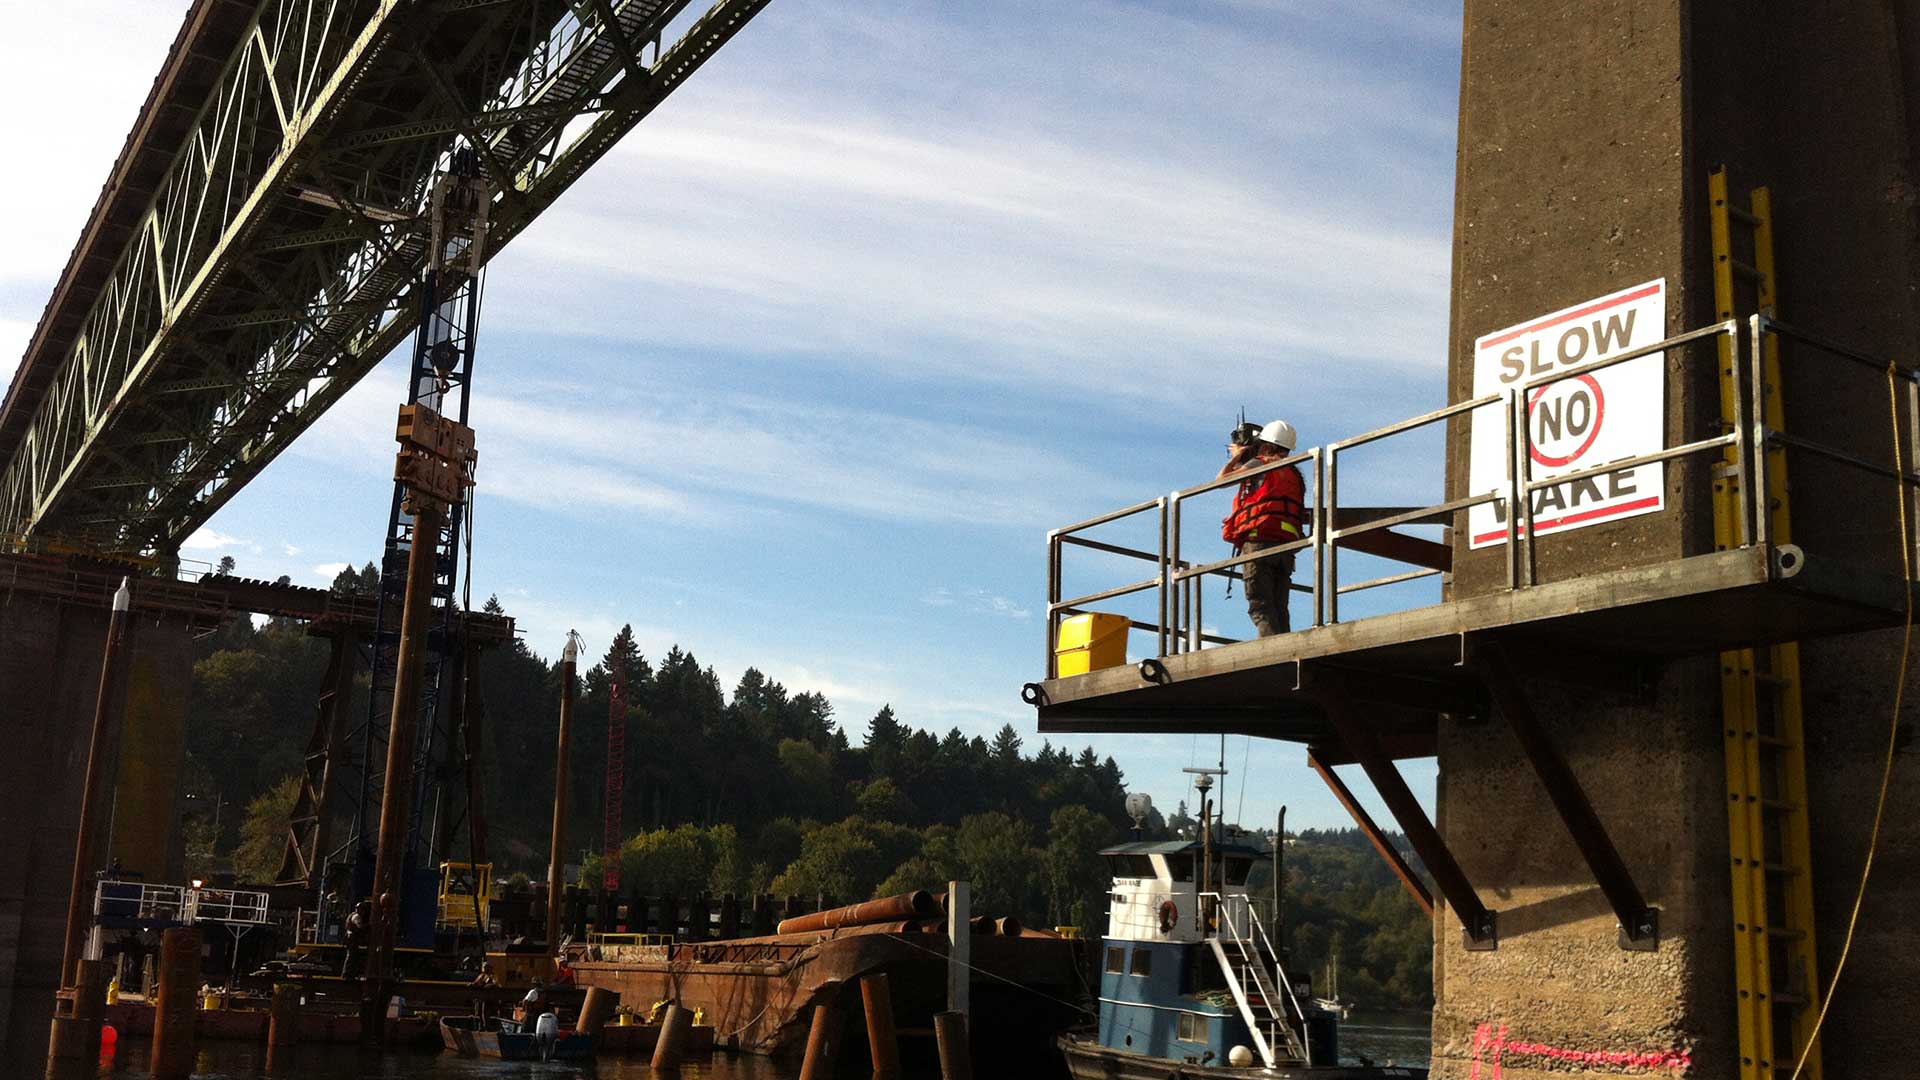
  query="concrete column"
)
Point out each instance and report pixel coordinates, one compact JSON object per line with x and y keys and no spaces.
{"x":49,"y":677}
{"x":146,"y":836}
{"x":1586,"y":135}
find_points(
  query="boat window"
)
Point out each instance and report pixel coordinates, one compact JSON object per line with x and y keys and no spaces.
{"x":1181,"y":866}
{"x":1130,"y":866}
{"x":1237,"y":870}
{"x":1116,"y":961}
{"x":1193,"y":1027}
{"x":1142,"y":962}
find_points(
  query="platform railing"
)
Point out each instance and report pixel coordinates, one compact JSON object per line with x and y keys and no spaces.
{"x":1904,"y":386}
{"x":1745,"y":453}
{"x":226,"y":905}
{"x":1177,"y":625}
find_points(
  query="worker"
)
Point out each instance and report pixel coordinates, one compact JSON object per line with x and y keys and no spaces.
{"x":533,"y":1004}
{"x":1268,"y":510}
{"x":359,"y":922}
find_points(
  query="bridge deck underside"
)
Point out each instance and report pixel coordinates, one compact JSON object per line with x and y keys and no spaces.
{"x":257,"y":252}
{"x":1601,"y":629}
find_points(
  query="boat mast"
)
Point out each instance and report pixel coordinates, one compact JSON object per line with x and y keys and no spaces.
{"x":1203,"y":781}
{"x":1279,"y":879}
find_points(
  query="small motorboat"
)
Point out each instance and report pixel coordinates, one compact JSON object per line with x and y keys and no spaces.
{"x":509,"y":1040}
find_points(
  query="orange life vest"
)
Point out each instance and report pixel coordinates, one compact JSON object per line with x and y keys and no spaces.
{"x":1271,"y":506}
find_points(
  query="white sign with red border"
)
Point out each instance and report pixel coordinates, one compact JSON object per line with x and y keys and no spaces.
{"x":1577,"y":423}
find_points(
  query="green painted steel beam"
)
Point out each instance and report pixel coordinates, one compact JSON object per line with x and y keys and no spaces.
{"x":274,"y":262}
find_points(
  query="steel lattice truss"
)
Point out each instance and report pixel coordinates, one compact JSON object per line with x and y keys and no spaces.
{"x":254,"y":253}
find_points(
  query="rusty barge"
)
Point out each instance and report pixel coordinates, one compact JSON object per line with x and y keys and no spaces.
{"x":759,"y":993}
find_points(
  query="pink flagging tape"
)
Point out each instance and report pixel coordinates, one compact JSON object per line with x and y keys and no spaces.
{"x":1491,"y":1045}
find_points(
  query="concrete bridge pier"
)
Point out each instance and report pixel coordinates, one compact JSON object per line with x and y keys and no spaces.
{"x":1587,"y":132}
{"x":50,"y":654}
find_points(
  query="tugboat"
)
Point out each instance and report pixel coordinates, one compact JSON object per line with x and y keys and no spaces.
{"x":1191,"y":985}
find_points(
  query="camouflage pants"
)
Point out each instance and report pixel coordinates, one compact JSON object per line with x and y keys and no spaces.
{"x":1268,"y":584}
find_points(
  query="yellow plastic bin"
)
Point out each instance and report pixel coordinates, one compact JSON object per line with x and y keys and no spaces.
{"x":1090,"y":642}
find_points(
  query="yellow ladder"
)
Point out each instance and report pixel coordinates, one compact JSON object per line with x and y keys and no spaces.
{"x":1774,"y":965}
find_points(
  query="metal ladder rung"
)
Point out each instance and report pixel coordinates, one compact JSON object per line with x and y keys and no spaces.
{"x":1744,"y":217}
{"x":1780,"y":868}
{"x":1785,"y":934}
{"x":1781,"y":805}
{"x":1771,"y":681}
{"x":1746,"y":270}
{"x":1790,"y":1000}
{"x":1776,"y":742}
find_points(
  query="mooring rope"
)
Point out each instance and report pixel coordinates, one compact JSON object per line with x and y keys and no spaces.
{"x":1893,"y":734}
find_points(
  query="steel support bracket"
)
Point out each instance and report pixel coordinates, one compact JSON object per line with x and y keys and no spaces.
{"x":1482,"y":934}
{"x":1478,"y":923}
{"x":1643,"y":933}
{"x":1639,"y":922}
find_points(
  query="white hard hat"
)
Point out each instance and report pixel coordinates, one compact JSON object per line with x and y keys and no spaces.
{"x":1281,"y":434}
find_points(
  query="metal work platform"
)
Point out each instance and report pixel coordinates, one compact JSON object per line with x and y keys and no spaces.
{"x":1373,"y":689}
{"x":209,"y":599}
{"x":1409,"y":667}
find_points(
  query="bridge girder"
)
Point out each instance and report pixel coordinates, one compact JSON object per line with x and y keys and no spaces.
{"x":268,"y":266}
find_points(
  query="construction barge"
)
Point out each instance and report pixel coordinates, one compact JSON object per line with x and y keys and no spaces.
{"x":759,"y":993}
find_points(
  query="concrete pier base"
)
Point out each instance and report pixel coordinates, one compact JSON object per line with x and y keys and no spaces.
{"x":50,"y":650}
{"x":1587,"y":132}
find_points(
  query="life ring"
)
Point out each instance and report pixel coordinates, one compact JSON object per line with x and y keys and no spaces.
{"x":1169,"y":916}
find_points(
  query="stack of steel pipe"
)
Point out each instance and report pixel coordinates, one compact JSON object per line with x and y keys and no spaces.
{"x":915,"y":906}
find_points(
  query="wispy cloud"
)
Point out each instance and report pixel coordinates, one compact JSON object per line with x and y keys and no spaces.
{"x":882,"y":293}
{"x":209,"y":539}
{"x":980,"y":257}
{"x":975,"y":600}
{"x":329,"y":571}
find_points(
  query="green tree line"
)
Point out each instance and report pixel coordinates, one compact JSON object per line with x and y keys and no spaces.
{"x":759,"y":790}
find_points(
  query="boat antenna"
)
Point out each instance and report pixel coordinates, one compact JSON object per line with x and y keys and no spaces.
{"x":1246,"y":759}
{"x":1203,"y":781}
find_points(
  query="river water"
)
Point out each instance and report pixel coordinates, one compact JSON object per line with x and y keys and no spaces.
{"x":1400,"y":1038}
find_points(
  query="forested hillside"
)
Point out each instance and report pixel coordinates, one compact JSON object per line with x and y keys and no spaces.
{"x":759,"y":789}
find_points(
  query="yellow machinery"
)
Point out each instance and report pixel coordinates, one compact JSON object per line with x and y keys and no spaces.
{"x":1778,"y":991}
{"x":466,"y":895}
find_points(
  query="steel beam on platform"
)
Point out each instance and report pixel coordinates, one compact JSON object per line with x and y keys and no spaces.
{"x":1639,"y":921}
{"x":1395,"y":861}
{"x":1477,"y":921}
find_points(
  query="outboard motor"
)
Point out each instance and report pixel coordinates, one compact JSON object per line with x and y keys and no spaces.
{"x":546,"y":1032}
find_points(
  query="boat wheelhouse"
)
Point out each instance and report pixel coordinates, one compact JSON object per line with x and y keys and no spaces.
{"x":1189,"y":972}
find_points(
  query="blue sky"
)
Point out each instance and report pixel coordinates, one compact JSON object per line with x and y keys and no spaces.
{"x":802,"y":373}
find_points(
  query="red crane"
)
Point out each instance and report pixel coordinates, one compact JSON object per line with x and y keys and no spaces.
{"x":616,"y":774}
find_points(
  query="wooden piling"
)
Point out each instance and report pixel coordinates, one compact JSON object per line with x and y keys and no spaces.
{"x":176,"y":1017}
{"x":823,"y":1042}
{"x":85,"y":855}
{"x":79,"y":1012}
{"x":557,"y":849}
{"x":956,"y":1057}
{"x":675,"y":1029}
{"x":283,"y":1015}
{"x":876,"y":997}
{"x":596,"y":1010}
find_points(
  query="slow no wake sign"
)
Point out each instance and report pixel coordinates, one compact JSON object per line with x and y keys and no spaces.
{"x":1577,"y":423}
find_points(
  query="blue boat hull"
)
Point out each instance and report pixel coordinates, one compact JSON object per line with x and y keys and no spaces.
{"x":1088,"y":1060}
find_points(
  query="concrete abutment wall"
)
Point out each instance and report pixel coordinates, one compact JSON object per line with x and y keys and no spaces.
{"x":50,"y":653}
{"x":1586,"y":135}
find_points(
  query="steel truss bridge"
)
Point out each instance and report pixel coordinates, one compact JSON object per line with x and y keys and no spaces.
{"x":253,"y":252}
